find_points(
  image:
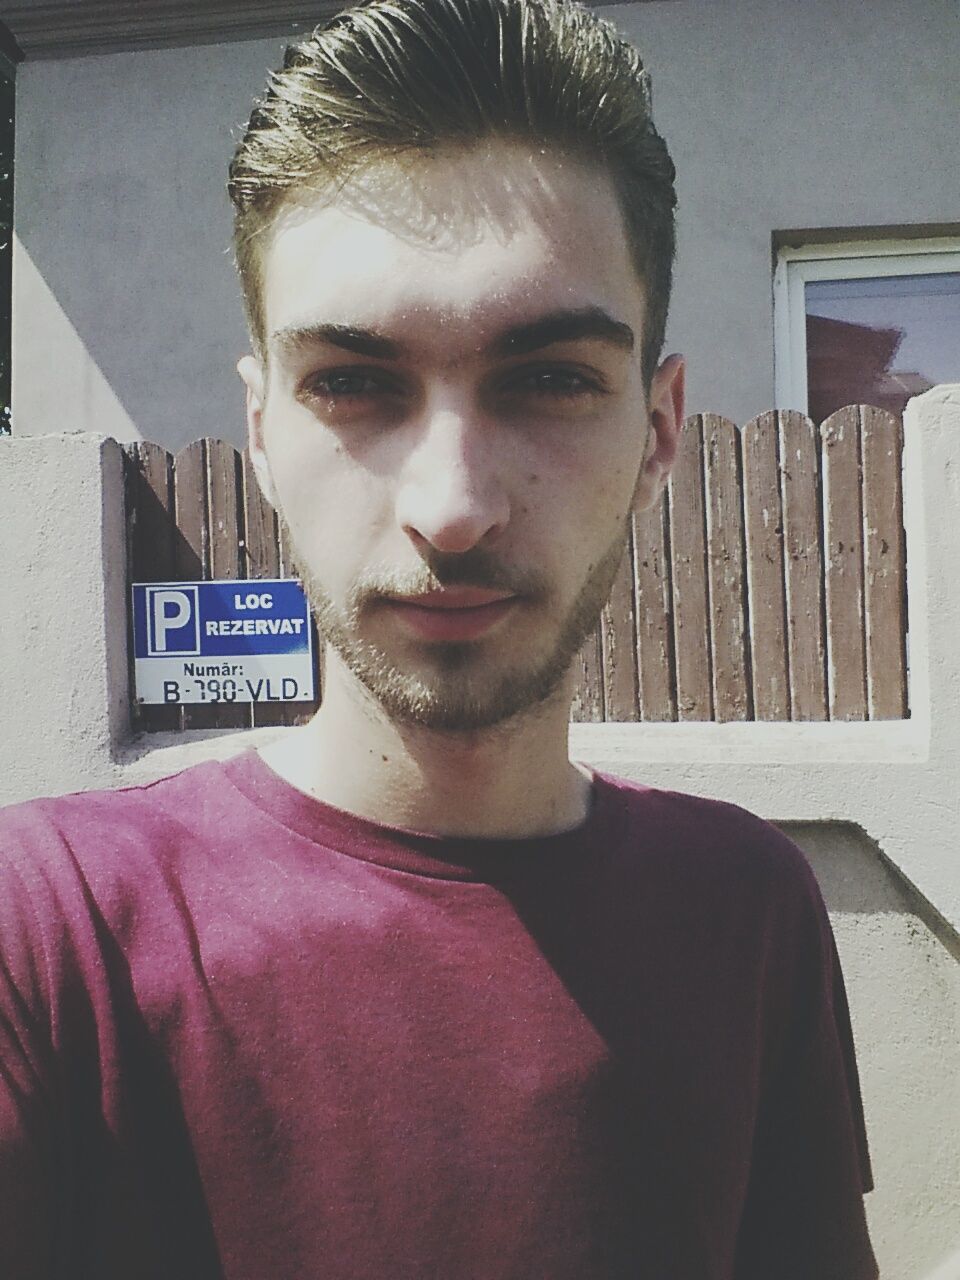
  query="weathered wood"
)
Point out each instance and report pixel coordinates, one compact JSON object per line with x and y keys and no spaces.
{"x":192,"y":544}
{"x":300,"y":712}
{"x":224,"y":511}
{"x":656,"y":670}
{"x":227,"y":560}
{"x":619,"y":643}
{"x":261,"y":542}
{"x":843,"y":565}
{"x":885,"y":564}
{"x":766,"y":595}
{"x":724,"y":519}
{"x":689,"y":577}
{"x":262,"y":553}
{"x":150,"y":495}
{"x":799,"y":479}
{"x":150,"y":523}
{"x":588,"y":694}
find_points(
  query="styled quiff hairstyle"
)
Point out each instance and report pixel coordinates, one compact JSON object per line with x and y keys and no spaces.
{"x":391,"y":78}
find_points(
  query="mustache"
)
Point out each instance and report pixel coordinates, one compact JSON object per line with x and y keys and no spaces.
{"x":477,"y":567}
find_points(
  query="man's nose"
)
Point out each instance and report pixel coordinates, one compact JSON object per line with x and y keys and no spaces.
{"x":451,"y":492}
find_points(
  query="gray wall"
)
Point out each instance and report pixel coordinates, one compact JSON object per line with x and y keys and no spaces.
{"x":127,"y":317}
{"x":826,"y":113}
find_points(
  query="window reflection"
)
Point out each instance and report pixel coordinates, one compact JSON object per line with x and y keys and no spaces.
{"x":880,"y":340}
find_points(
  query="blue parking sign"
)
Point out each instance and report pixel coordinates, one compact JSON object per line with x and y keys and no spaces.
{"x":222,"y":641}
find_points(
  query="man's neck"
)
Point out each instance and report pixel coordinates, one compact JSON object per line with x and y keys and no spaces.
{"x":512,"y":780}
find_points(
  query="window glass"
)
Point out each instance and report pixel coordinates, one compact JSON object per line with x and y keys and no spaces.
{"x":880,"y":340}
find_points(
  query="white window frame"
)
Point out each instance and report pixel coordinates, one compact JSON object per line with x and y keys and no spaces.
{"x":843,"y":260}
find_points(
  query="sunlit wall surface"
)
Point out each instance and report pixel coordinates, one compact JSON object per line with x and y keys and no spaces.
{"x":6,"y":236}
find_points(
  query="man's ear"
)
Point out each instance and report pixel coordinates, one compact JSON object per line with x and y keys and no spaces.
{"x":666,"y":405}
{"x":251,"y":371}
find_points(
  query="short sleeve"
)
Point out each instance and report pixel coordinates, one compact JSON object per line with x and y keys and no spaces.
{"x":804,"y":1217}
{"x":27,"y":1161}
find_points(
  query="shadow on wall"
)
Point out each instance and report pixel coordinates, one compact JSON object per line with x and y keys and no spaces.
{"x":900,"y":963}
{"x":124,"y":259}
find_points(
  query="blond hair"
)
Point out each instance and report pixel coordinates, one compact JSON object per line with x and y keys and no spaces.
{"x":393,"y":77}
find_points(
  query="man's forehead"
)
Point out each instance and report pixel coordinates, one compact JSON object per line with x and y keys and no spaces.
{"x":332,"y":264}
{"x":437,"y":195}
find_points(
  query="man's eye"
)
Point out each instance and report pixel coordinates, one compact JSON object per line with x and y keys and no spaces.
{"x":334,"y":386}
{"x":556,"y":383}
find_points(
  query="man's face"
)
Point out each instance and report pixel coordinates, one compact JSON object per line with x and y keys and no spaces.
{"x":453,"y":425}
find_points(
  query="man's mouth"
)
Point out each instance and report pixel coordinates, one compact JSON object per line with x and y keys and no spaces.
{"x":453,"y":613}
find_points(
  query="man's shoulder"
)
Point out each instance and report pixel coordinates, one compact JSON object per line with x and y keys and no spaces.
{"x":90,"y":835}
{"x":79,"y":809}
{"x":708,"y":837}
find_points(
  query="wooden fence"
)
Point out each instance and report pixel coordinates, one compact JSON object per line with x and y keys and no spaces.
{"x":770,"y":584}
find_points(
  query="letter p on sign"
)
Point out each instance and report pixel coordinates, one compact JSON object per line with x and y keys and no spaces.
{"x":173,"y":621}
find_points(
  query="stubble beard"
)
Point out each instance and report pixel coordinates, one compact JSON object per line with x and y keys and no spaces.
{"x":461,"y":693}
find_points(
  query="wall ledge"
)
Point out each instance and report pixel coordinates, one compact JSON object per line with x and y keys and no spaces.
{"x":108,"y":26}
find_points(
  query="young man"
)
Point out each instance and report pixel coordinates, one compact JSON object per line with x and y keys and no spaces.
{"x":408,"y":994}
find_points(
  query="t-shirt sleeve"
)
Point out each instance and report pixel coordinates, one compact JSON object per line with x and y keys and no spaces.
{"x":28,"y":1159}
{"x":804,"y":1217}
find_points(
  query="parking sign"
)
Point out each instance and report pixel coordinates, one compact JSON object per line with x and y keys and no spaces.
{"x":223,"y":641}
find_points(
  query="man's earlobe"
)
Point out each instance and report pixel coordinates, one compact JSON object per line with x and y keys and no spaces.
{"x":251,"y":373}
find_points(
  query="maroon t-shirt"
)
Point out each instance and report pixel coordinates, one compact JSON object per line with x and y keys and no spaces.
{"x":247,"y":1035}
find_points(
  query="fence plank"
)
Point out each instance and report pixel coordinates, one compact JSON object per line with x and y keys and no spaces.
{"x":192,"y":545}
{"x":843,"y":565}
{"x":885,"y":564}
{"x":300,"y":712}
{"x":191,"y":552}
{"x":619,"y":643}
{"x":799,"y":475}
{"x":261,"y":536}
{"x":724,"y":513}
{"x":588,"y":693}
{"x":148,"y":470}
{"x":766,"y":592}
{"x":656,"y":671}
{"x":149,"y":501}
{"x":224,"y":511}
{"x":262,"y":552}
{"x":689,"y":577}
{"x":227,"y":560}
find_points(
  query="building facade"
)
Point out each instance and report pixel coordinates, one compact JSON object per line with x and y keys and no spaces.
{"x":802,"y":133}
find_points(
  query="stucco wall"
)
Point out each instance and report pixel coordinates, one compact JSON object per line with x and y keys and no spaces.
{"x":126,"y":314}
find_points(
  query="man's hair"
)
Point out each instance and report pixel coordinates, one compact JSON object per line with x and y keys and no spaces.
{"x":391,"y":78}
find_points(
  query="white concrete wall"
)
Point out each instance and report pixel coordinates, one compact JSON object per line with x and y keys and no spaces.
{"x":829,"y":113}
{"x":64,"y":697}
{"x":876,"y":806}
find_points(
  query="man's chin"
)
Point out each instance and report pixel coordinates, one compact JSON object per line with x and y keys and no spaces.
{"x":445,"y":695}
{"x":429,"y":706}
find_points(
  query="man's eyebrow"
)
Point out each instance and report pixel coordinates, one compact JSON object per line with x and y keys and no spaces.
{"x":521,"y":339}
{"x":362,"y":342}
{"x":564,"y":326}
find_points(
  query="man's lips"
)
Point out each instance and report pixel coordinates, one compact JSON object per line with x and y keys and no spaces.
{"x":458,"y":613}
{"x":455,"y":598}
